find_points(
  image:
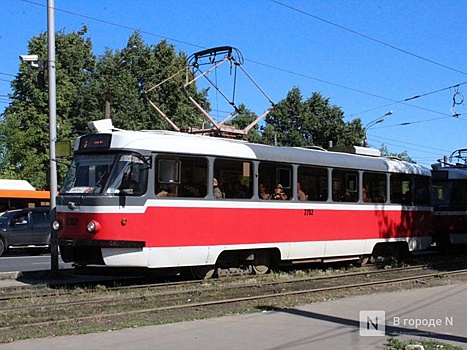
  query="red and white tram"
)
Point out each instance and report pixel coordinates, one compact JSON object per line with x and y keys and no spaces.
{"x":146,"y":199}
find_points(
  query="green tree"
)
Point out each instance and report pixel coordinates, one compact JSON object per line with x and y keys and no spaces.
{"x":311,"y":122}
{"x":243,"y":119}
{"x":402,"y":156}
{"x":286,"y":119}
{"x":25,"y":123}
{"x":130,"y":75}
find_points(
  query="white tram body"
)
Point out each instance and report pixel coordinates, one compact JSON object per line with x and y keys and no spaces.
{"x":146,"y":199}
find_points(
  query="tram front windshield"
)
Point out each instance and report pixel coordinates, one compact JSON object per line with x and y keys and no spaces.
{"x":109,"y":174}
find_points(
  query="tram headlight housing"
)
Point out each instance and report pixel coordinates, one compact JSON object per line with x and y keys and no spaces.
{"x":93,"y":226}
{"x":56,"y":225}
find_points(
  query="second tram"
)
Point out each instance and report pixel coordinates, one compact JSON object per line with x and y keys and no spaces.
{"x":449,"y":191}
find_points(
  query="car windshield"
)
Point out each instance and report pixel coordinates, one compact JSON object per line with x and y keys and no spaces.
{"x":4,"y":217}
{"x":110,"y":173}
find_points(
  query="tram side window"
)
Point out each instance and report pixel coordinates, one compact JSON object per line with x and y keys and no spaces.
{"x":234,"y":177}
{"x":449,"y":194}
{"x":401,"y":189}
{"x":422,"y":190}
{"x":181,"y":177}
{"x":313,"y":182}
{"x":440,"y":193}
{"x":374,"y":188}
{"x":273,"y":174}
{"x":132,"y":174}
{"x":344,"y":186}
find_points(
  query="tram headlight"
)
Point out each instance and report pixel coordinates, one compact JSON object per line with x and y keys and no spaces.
{"x":93,"y":226}
{"x":56,"y":225}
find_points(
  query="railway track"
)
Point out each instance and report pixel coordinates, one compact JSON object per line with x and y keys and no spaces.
{"x":80,"y":311}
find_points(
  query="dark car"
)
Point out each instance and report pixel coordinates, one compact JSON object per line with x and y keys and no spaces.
{"x":25,"y":228}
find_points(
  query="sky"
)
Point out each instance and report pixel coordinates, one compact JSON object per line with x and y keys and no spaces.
{"x":369,"y":57}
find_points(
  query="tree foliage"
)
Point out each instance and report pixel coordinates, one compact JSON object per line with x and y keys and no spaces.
{"x":402,"y":156}
{"x":315,"y":121}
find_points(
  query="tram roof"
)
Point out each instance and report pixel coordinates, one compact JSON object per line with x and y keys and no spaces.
{"x":169,"y":141}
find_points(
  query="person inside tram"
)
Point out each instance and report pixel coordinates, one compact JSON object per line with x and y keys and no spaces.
{"x":279,"y":193}
{"x":216,"y":190}
{"x":237,"y":190}
{"x":262,"y":192}
{"x":128,"y":183}
{"x":365,"y":197}
{"x":163,"y":192}
{"x":300,"y":194}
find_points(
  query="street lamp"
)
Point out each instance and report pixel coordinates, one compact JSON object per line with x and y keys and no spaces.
{"x":373,"y":123}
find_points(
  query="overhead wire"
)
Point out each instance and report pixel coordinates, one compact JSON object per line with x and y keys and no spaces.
{"x":116,"y":24}
{"x":368,"y":37}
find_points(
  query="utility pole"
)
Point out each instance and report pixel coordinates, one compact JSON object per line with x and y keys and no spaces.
{"x":52,"y":131}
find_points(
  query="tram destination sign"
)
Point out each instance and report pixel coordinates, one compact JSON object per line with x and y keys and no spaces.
{"x":94,"y":141}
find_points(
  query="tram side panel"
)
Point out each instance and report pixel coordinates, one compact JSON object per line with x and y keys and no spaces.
{"x":185,"y":233}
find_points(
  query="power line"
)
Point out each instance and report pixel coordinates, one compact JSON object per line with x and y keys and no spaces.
{"x":368,"y":37}
{"x":116,"y":24}
{"x":360,"y":91}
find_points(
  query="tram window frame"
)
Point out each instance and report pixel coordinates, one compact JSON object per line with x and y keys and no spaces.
{"x":422,"y":193}
{"x":173,"y":166}
{"x":458,"y":195}
{"x":270,"y":174}
{"x":129,"y":176}
{"x":314,"y":182}
{"x":345,"y":186}
{"x":190,"y":179}
{"x":375,"y":185}
{"x":232,"y":172}
{"x":449,"y":194}
{"x":401,"y":188}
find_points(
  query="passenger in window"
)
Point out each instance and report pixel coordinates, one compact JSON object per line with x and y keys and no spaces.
{"x":128,"y":182}
{"x":262,"y":192}
{"x":300,"y":194}
{"x":216,"y":191}
{"x":162,"y":193}
{"x":279,"y":193}
{"x":365,"y":197}
{"x":407,"y":197}
{"x":349,"y":197}
{"x":22,"y":220}
{"x":237,"y":190}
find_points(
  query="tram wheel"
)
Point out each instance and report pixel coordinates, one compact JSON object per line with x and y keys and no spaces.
{"x":202,"y":272}
{"x":261,"y":264}
{"x":364,"y":259}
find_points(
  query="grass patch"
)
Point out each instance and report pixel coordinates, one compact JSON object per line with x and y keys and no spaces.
{"x":395,"y":344}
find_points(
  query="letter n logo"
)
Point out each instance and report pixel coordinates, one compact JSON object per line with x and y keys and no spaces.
{"x":372,"y":323}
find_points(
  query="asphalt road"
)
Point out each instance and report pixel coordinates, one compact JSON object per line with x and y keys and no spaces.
{"x":13,"y":261}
